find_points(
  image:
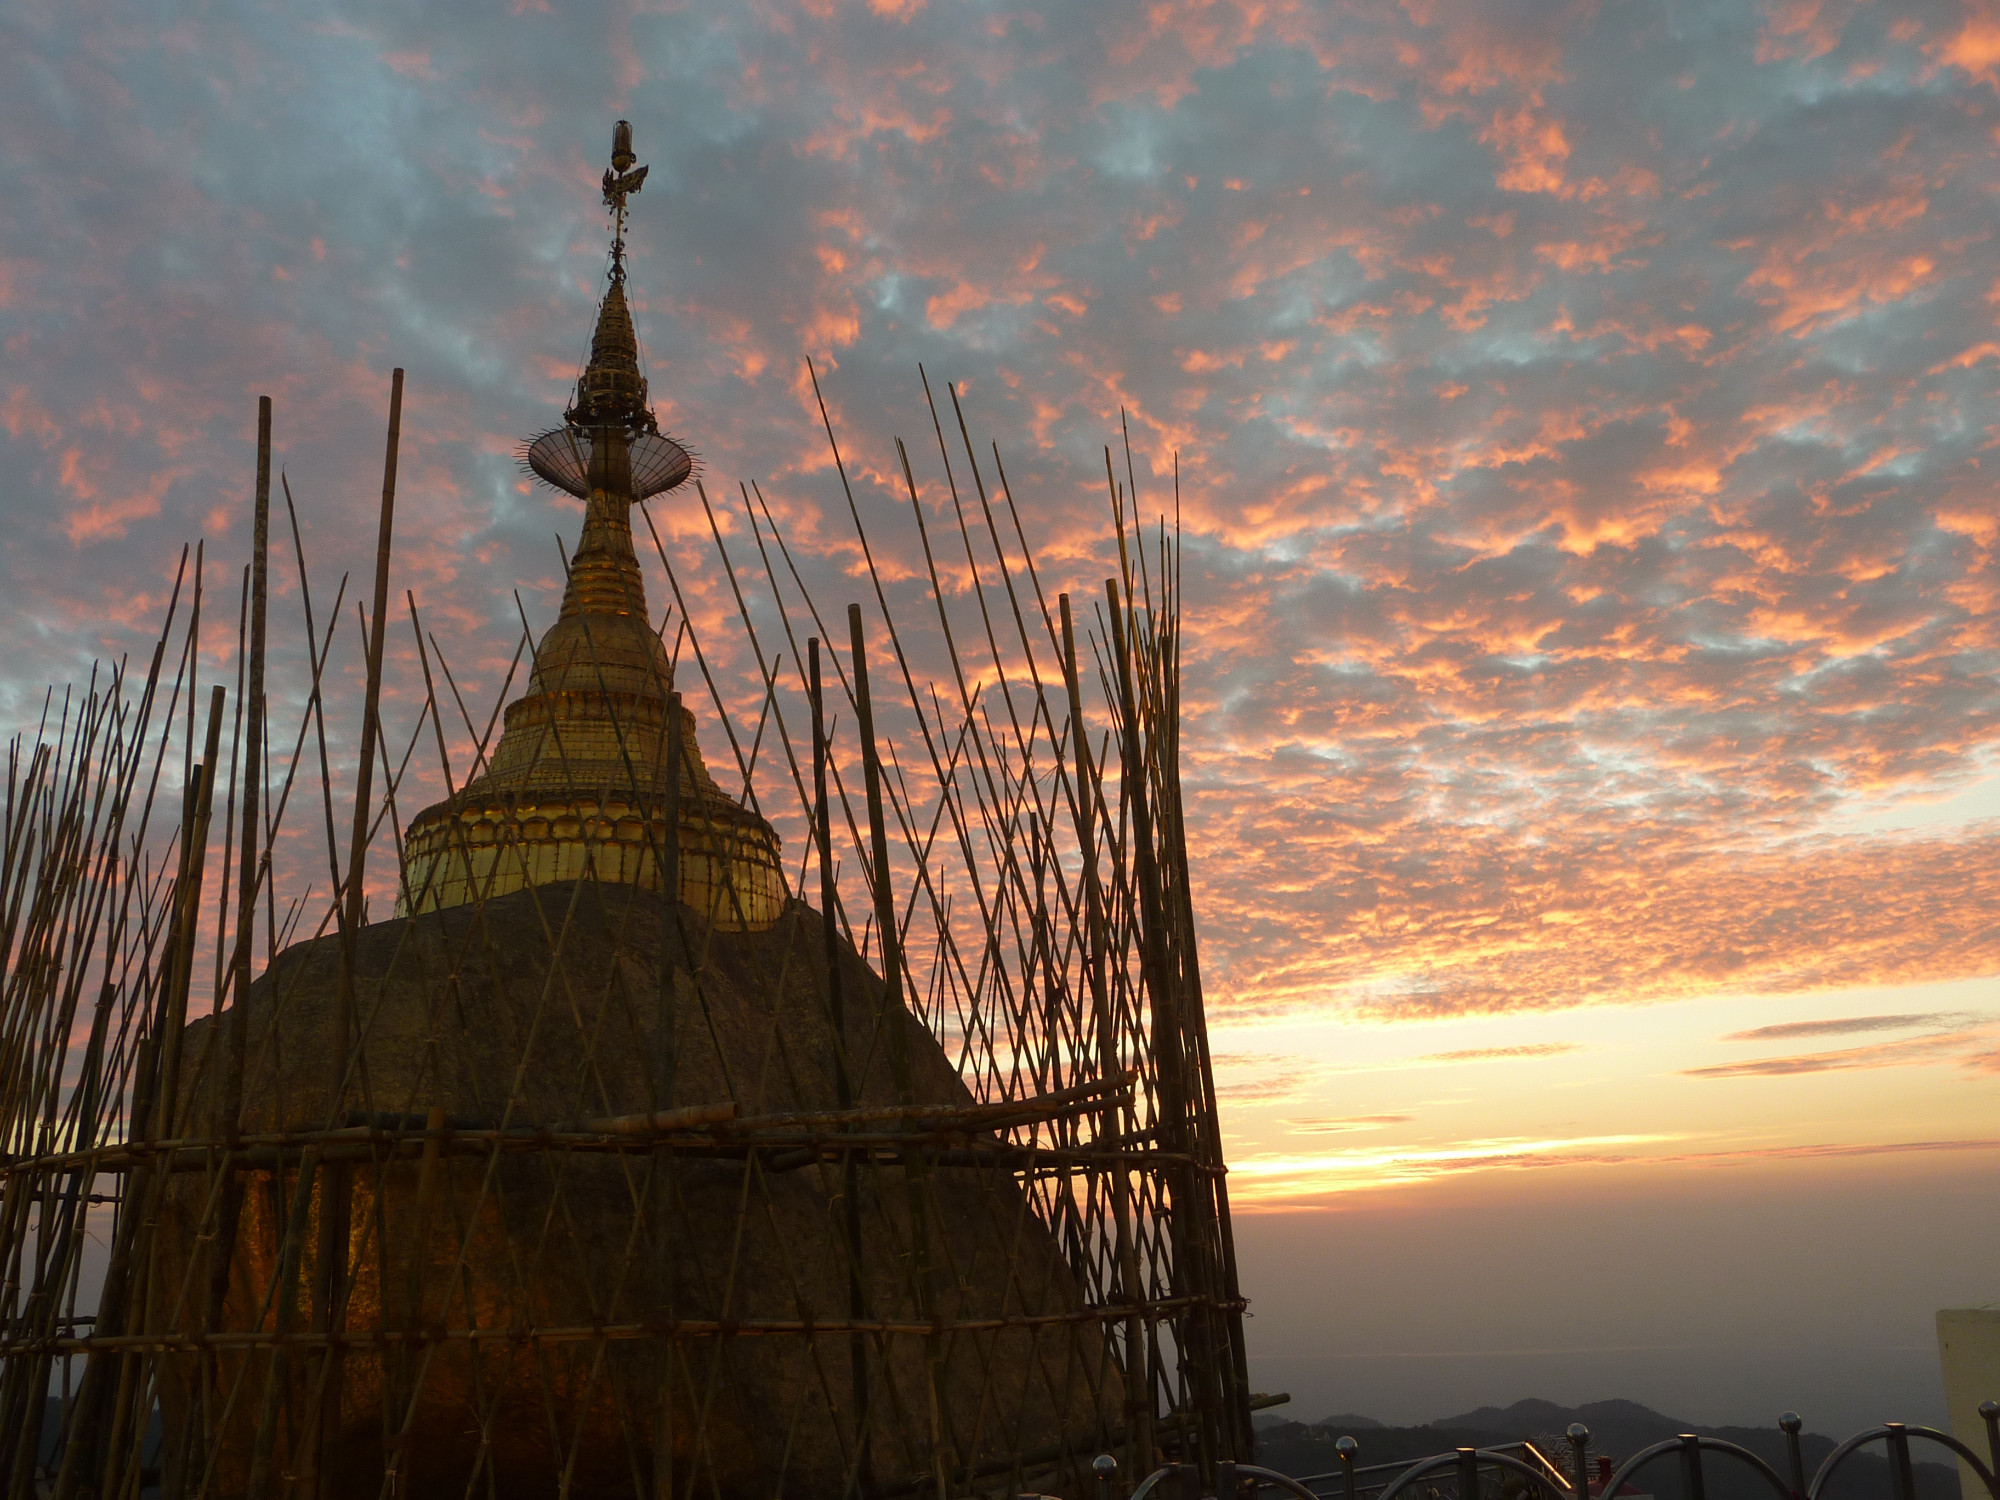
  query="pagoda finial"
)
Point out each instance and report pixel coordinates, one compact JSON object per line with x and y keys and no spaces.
{"x":577,"y":786}
{"x":610,"y":439}
{"x":620,"y":181}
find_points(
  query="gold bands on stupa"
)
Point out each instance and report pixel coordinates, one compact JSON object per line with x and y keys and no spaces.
{"x":579,"y":785}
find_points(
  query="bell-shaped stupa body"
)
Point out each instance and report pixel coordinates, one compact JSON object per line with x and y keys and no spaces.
{"x":579,"y":785}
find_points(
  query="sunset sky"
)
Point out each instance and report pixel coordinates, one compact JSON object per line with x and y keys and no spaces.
{"x":1584,"y":419}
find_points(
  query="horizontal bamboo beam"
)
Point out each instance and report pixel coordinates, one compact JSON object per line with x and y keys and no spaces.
{"x":670,"y":1329}
{"x":702,"y":1129}
{"x":1035,"y":1106}
{"x":781,"y":1153}
{"x":693,"y":1116}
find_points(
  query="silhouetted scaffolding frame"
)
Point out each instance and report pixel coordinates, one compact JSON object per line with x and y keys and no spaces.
{"x":1023,"y":890}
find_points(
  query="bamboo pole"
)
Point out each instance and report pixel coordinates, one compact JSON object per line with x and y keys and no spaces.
{"x":684,"y":1328}
{"x":1138,"y":1411}
{"x":334,"y":1192}
{"x":229,"y":1097}
{"x":850,"y":1203}
{"x":81,"y":1458}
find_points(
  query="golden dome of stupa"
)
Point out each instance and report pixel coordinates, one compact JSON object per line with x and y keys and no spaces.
{"x":578,"y":786}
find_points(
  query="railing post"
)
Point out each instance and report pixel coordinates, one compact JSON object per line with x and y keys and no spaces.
{"x":1902,"y":1483}
{"x":1345,"y":1450}
{"x":1468,"y":1474}
{"x":1691,"y":1467}
{"x":1795,"y":1460}
{"x":1225,"y":1479}
{"x":1989,"y":1413}
{"x":1105,"y":1467}
{"x":1579,"y":1444}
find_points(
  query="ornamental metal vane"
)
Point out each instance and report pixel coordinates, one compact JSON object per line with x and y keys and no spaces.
{"x":620,"y":182}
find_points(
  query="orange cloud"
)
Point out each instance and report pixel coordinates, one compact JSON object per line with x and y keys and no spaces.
{"x":1975,"y":47}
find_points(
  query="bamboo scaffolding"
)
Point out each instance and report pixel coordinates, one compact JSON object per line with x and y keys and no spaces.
{"x":919,"y":1192}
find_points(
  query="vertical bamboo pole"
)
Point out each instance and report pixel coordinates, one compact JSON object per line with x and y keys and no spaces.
{"x":843,"y":1085}
{"x":915,"y":1173}
{"x":27,"y":1380}
{"x":1138,"y":1392}
{"x":1236,"y":1413}
{"x":335,"y":1190}
{"x":155,"y":1112}
{"x":1188,"y":1221}
{"x":228,"y":1090}
{"x":672,"y":956}
{"x":670,"y":892}
{"x":878,"y":847}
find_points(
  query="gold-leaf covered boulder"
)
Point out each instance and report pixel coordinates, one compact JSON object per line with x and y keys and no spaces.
{"x":534,"y":1301}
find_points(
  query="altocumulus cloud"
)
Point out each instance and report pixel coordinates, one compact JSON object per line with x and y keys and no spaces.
{"x":1852,"y":1025}
{"x":1579,"y":410}
{"x":1930,"y":1048}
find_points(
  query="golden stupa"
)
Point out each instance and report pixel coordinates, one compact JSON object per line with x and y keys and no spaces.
{"x":578,"y":785}
{"x":575,"y":1221}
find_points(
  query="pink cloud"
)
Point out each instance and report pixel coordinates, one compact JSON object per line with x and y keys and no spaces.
{"x":1975,"y":46}
{"x":1584,"y":447}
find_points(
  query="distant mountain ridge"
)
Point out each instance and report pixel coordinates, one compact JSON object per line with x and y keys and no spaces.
{"x":1618,"y":1429}
{"x":1347,"y":1421}
{"x":1614,"y":1425}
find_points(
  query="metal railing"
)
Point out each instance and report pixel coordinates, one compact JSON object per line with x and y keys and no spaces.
{"x":1462,"y":1474}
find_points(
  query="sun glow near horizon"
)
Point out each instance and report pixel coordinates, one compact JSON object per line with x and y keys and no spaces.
{"x":1826,"y":1074}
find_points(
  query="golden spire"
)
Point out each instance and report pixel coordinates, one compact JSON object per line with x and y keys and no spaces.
{"x":612,"y":389}
{"x":580,"y":780}
{"x":609,"y":439}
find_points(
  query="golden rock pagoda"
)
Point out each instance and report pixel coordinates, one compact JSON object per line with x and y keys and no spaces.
{"x":579,"y":785}
{"x":553,"y":1186}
